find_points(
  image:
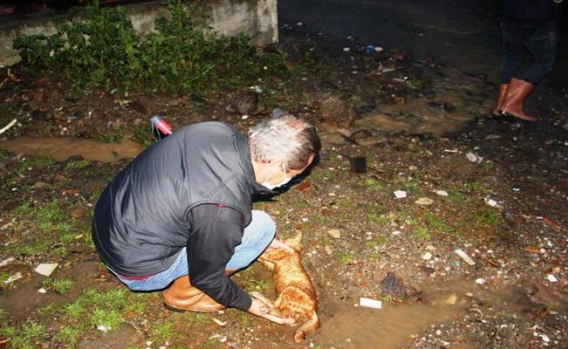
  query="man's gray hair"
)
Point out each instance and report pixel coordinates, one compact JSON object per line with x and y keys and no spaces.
{"x":286,"y":138}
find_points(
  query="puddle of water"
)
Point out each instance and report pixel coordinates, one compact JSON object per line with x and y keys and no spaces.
{"x":347,"y":327}
{"x":387,"y":328}
{"x":61,"y":149}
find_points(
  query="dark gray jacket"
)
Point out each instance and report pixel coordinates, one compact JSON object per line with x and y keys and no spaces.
{"x":192,"y":189}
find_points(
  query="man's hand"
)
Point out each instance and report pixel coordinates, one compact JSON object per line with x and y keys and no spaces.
{"x":259,"y":308}
{"x":279,"y":244}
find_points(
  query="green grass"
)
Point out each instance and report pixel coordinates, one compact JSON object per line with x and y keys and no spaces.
{"x":69,"y":335}
{"x":245,"y":320}
{"x":103,"y":317}
{"x":113,"y":135}
{"x":75,"y":310}
{"x":195,"y":318}
{"x":162,"y":332}
{"x":322,"y":174}
{"x":47,"y":217}
{"x":436,"y":223}
{"x":345,"y":257}
{"x":422,"y":233}
{"x":411,"y":186}
{"x":373,"y":215}
{"x":34,"y":163}
{"x":24,"y":337}
{"x":58,"y":285}
{"x":373,"y":183}
{"x":75,"y":164}
{"x":251,"y":284}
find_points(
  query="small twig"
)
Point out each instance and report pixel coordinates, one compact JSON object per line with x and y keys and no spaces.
{"x":12,"y":123}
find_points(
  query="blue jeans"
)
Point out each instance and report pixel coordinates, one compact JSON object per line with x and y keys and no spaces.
{"x":541,"y":40}
{"x":257,"y":236}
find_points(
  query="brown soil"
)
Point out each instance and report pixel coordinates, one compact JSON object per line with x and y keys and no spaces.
{"x":508,"y":212}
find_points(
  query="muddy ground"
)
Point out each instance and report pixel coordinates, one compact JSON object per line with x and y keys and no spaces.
{"x":495,"y":189}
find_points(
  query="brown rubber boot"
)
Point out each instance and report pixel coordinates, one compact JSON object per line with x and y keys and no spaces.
{"x":517,"y":92}
{"x":502,"y":93}
{"x":181,"y":296}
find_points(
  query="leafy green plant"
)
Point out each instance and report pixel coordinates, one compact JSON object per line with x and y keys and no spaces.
{"x":101,"y":50}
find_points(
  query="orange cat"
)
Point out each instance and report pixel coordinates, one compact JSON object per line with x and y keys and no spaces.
{"x":296,"y":294}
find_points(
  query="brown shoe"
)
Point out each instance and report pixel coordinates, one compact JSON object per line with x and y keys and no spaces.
{"x":517,"y":92}
{"x":181,"y":296}
{"x":502,"y":93}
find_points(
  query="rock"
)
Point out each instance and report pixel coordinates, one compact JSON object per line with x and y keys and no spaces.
{"x":144,"y":104}
{"x":244,"y":103}
{"x":334,"y":233}
{"x":77,"y":213}
{"x":333,"y":110}
{"x":427,"y":256}
{"x":451,"y":300}
{"x":424,"y":201}
{"x":393,"y":286}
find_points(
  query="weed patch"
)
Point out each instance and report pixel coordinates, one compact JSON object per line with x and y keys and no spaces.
{"x":101,"y":50}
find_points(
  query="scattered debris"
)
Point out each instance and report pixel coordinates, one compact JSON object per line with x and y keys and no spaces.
{"x":399,"y":194}
{"x":491,"y":202}
{"x":393,"y":286}
{"x":551,"y":278}
{"x":451,"y":300}
{"x":480,"y":281}
{"x":358,"y":164}
{"x":474,"y":158}
{"x":46,"y":268}
{"x":13,"y":278}
{"x":424,"y":201}
{"x":464,"y":256}
{"x":334,"y":233}
{"x":7,"y":127}
{"x":219,"y":337}
{"x":7,"y":261}
{"x":370,"y":303}
{"x":427,"y":256}
{"x":219,"y":322}
{"x":104,"y":328}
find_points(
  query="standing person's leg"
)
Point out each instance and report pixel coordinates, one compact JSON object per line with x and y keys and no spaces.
{"x":513,"y":40}
{"x":515,"y":36}
{"x":519,"y":89}
{"x":543,"y":45}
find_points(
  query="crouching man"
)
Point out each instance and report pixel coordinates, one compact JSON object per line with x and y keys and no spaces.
{"x":179,"y":216}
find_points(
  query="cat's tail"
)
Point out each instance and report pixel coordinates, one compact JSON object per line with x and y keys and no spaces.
{"x":307,"y":327}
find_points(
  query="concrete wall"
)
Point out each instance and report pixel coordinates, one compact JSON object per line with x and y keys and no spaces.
{"x":256,"y":18}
